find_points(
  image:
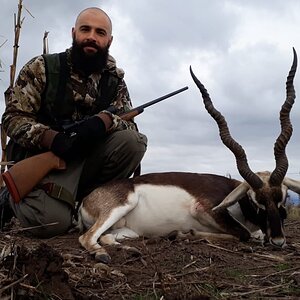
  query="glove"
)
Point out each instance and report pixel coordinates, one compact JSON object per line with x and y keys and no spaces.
{"x":78,"y":142}
{"x":94,"y":127}
{"x":66,"y":146}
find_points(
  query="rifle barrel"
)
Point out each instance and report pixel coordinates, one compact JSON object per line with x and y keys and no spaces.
{"x":141,"y":107}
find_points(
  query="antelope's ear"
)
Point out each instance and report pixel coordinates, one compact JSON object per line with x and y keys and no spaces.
{"x":292,"y":184}
{"x":234,"y":196}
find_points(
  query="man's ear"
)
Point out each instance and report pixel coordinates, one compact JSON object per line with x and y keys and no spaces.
{"x":111,"y":39}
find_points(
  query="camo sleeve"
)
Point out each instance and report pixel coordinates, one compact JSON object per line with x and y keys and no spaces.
{"x":20,"y":117}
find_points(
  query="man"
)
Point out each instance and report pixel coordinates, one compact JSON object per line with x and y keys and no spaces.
{"x":54,"y":92}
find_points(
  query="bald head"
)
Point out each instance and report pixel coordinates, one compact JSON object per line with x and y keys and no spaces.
{"x":94,"y":12}
{"x":93,"y":30}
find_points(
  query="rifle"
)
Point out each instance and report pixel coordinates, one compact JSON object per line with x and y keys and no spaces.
{"x":128,"y":115}
{"x":138,"y":110}
{"x":23,"y":176}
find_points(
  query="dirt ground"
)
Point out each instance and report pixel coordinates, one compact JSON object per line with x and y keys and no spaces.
{"x":59,"y":268}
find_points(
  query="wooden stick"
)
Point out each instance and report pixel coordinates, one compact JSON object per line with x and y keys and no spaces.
{"x":13,"y":283}
{"x":18,"y":24}
{"x":45,"y":43}
{"x":253,"y":291}
{"x":3,"y":43}
{"x":33,"y":227}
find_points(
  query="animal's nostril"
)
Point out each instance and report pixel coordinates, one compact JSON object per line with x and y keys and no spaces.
{"x":278,"y":241}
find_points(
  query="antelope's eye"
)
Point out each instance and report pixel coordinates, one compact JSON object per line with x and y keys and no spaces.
{"x":282,"y":212}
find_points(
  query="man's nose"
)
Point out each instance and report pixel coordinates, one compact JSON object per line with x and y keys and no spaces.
{"x":91,"y":35}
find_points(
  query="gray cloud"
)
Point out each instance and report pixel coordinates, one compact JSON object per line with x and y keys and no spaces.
{"x":241,"y":51}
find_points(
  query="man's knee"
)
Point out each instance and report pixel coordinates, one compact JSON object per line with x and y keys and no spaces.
{"x":116,"y":157}
{"x":124,"y":153}
{"x":130,"y":144}
{"x":56,"y":224}
{"x":43,"y":215}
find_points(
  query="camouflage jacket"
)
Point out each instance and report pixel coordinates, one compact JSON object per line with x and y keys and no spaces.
{"x":21,"y":114}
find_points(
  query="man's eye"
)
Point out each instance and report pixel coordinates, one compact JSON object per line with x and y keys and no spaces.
{"x":84,"y":29}
{"x":101,"y":32}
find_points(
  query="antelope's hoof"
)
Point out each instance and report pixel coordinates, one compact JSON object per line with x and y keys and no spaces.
{"x":103,"y":258}
{"x":172,"y":236}
{"x":133,"y":251}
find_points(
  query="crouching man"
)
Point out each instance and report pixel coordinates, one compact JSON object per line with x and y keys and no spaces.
{"x":52,"y":93}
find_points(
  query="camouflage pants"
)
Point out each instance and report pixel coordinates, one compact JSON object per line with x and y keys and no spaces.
{"x":116,"y":157}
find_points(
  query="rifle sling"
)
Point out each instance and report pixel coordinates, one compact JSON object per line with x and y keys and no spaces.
{"x":59,"y":192}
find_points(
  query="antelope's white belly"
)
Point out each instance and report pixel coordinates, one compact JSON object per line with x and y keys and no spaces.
{"x":163,"y":209}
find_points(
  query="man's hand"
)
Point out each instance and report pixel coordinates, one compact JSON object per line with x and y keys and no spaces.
{"x":78,"y":142}
{"x":65,"y":146}
{"x":94,"y":127}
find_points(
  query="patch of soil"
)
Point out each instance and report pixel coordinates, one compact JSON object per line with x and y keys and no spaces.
{"x":59,"y":268}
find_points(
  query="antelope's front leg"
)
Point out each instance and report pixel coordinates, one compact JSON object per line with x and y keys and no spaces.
{"x":89,"y":240}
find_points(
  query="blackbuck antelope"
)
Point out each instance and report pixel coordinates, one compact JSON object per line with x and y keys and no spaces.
{"x":208,"y":205}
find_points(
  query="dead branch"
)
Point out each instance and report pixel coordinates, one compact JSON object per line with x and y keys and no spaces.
{"x":254,"y":291}
{"x":45,"y":43}
{"x":18,"y":21}
{"x":18,"y":24}
{"x":33,"y":227}
{"x":3,"y":43}
{"x":13,"y":284}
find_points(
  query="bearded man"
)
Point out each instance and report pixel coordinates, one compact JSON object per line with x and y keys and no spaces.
{"x":52,"y":93}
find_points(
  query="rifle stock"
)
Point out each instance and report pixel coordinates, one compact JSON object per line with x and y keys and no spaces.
{"x":23,"y":176}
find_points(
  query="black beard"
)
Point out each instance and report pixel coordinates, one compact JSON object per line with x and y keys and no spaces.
{"x":88,"y":64}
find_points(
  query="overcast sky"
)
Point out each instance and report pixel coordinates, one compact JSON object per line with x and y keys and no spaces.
{"x":241,"y":51}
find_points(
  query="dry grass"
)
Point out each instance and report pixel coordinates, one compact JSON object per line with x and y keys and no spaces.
{"x":293,"y":212}
{"x":180,"y":269}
